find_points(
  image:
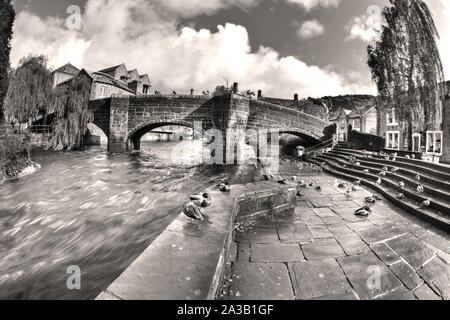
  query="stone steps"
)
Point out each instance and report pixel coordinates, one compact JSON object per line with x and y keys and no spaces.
{"x":439,"y":168}
{"x":432,"y":177}
{"x":431,"y":187}
{"x":389,"y":191}
{"x":437,"y":203}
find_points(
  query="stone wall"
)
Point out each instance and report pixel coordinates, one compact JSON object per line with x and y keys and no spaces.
{"x":446,"y":130}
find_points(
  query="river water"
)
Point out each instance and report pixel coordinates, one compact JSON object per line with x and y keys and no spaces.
{"x":92,"y":210}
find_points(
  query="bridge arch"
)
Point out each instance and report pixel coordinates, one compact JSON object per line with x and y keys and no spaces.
{"x":134,"y":135}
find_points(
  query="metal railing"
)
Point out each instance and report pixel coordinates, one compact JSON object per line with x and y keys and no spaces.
{"x":42,"y":129}
{"x":323,"y":145}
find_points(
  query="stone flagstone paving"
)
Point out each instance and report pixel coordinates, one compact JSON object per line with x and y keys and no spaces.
{"x":323,"y":251}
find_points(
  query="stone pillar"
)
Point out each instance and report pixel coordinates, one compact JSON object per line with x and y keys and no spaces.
{"x":192,"y":92}
{"x":230,"y":116}
{"x":259,"y":94}
{"x":296,"y":97}
{"x":118,"y":125}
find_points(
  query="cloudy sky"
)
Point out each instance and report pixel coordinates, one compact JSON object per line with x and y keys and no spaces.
{"x":311,"y":47}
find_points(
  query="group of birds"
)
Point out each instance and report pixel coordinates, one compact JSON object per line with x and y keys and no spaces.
{"x":193,"y":208}
{"x":367,"y":209}
{"x":356,"y":186}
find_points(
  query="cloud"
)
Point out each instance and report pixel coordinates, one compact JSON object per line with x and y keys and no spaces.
{"x":310,"y":29}
{"x":308,"y":5}
{"x":145,"y":36}
{"x":188,"y":8}
{"x":365,"y":27}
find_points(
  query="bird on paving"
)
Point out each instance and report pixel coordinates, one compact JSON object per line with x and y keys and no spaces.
{"x":192,"y":211}
{"x":371,"y":199}
{"x":363,"y":211}
{"x":420,"y":188}
{"x":318,"y":188}
{"x":355,"y":188}
{"x":357,"y":182}
{"x":426,"y":203}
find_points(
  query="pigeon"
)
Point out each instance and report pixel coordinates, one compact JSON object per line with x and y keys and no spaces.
{"x":299,"y":194}
{"x":379,"y":181}
{"x":382,"y":173}
{"x":420,"y":188}
{"x":400,"y":196}
{"x":401,"y":184}
{"x":192,"y":211}
{"x":355,"y":188}
{"x":387,"y":158}
{"x":364,"y":211}
{"x":318,"y":188}
{"x":311,"y":184}
{"x":370,"y":199}
{"x":394,"y":159}
{"x":418,"y":177}
{"x":282,"y":181}
{"x":357,"y":182}
{"x":426,"y":203}
{"x":201,"y":200}
{"x":357,"y":164}
{"x":366,"y":171}
{"x":378,"y":198}
{"x":394,"y":170}
{"x":407,"y":157}
{"x":385,"y":168}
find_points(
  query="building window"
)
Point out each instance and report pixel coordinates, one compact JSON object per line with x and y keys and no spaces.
{"x":145,"y":90}
{"x":391,"y":119}
{"x":434,"y":142}
{"x":102,"y":91}
{"x":393,"y":140}
{"x":417,"y":142}
{"x":356,"y":125}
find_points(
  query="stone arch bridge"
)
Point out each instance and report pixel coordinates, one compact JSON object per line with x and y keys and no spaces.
{"x":124,"y":120}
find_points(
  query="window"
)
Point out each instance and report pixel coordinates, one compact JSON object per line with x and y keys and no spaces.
{"x":356,"y":125}
{"x":145,"y":90}
{"x":393,"y":140}
{"x":434,"y":142}
{"x":102,"y":91}
{"x":417,"y":140}
{"x":391,"y":119}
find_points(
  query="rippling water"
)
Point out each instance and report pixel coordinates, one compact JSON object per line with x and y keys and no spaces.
{"x":93,"y":210}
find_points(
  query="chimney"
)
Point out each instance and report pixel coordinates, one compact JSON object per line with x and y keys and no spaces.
{"x":259,"y":94}
{"x":192,"y":92}
{"x":296,"y":97}
{"x":235,"y":87}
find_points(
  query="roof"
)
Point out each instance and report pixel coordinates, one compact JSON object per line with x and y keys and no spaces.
{"x":107,"y":79}
{"x":107,"y":70}
{"x":68,"y":69}
{"x":359,"y":111}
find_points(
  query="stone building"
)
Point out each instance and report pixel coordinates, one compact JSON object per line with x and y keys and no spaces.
{"x":402,"y":136}
{"x":64,"y":73}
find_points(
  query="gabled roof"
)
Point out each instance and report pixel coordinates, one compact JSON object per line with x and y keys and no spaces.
{"x":145,"y":79}
{"x":111,"y":69}
{"x":68,"y":69}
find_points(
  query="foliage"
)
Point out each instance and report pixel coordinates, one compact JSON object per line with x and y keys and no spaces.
{"x":14,"y":157}
{"x":30,"y":90}
{"x":249,"y":94}
{"x":406,"y":65}
{"x":221,"y":90}
{"x":71,"y":103}
{"x":329,"y":131}
{"x":7,"y":16}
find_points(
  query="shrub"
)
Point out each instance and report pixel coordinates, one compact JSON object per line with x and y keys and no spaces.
{"x":14,"y":157}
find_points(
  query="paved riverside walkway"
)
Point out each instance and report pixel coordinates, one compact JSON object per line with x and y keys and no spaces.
{"x":324,"y":251}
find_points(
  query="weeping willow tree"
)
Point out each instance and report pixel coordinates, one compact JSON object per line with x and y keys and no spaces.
{"x":406,"y":65}
{"x":70,"y":104}
{"x":29,"y":91}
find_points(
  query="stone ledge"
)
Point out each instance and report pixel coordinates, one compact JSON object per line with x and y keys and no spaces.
{"x":187,"y":261}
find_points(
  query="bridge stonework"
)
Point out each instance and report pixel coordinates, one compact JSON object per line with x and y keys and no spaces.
{"x":124,"y":120}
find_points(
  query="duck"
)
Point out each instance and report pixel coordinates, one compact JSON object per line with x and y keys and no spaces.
{"x":201,"y":200}
{"x":318,"y":188}
{"x":192,"y":211}
{"x":282,"y":181}
{"x":224,"y":187}
{"x":401,"y":184}
{"x":420,"y":188}
{"x":426,"y":203}
{"x":371,"y":199}
{"x":311,"y":184}
{"x":364,"y":211}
